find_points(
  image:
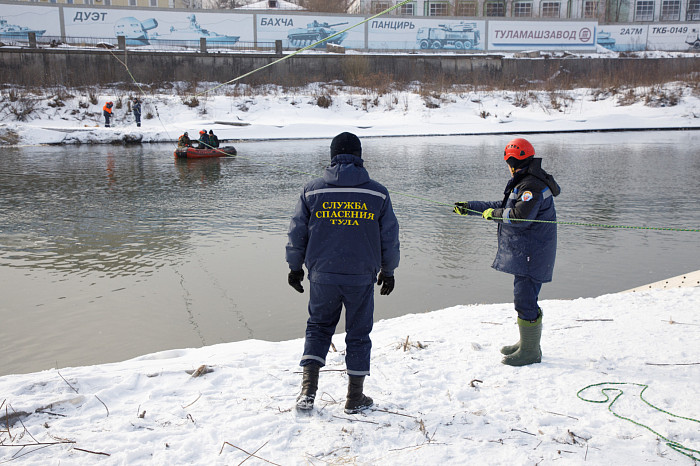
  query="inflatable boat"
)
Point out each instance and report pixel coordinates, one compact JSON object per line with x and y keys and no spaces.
{"x":194,"y":153}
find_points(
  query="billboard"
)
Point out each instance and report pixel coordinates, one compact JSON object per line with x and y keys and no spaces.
{"x":300,"y":30}
{"x":542,"y":35}
{"x":157,"y":27}
{"x":683,"y":37}
{"x":422,"y":34}
{"x":16,"y":21}
{"x":154,"y":27}
{"x":627,"y":38}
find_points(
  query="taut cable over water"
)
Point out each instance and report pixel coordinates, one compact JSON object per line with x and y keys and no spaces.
{"x":312,"y":45}
{"x":557,"y":222}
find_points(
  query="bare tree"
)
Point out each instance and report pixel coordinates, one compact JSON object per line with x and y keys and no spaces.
{"x":228,"y":4}
{"x":188,"y":4}
{"x":614,"y":8}
{"x":325,"y":6}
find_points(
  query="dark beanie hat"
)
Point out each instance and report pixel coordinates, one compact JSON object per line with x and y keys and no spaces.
{"x":346,"y":143}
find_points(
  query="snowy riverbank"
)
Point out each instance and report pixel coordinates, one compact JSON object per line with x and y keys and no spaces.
{"x":442,"y":396}
{"x":276,"y":113}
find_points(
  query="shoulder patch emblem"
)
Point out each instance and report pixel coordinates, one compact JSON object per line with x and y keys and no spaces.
{"x":527,"y":195}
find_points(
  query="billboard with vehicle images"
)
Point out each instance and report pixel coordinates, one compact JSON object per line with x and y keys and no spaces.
{"x":154,"y":27}
{"x":17,"y":21}
{"x":623,"y":38}
{"x":682,"y":37}
{"x":298,"y":31}
{"x":423,"y":34}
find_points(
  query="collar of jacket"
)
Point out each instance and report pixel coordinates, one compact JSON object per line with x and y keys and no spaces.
{"x":347,"y":158}
{"x":534,"y":168}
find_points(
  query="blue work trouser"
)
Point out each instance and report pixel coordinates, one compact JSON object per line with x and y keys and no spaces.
{"x":526,"y":291}
{"x":325,"y":306}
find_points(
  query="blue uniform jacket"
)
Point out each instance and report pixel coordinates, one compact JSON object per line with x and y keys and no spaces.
{"x":344,"y":228}
{"x":525,"y":248}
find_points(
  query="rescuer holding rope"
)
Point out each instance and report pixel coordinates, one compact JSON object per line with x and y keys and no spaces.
{"x":526,"y":249}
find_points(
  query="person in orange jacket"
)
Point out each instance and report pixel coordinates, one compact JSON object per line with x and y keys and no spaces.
{"x":107,"y":112}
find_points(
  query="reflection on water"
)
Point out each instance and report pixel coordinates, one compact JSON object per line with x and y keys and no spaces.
{"x":203,"y":171}
{"x":112,"y":252}
{"x":77,"y":211}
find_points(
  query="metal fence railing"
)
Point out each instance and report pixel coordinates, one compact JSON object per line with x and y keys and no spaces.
{"x":195,"y":45}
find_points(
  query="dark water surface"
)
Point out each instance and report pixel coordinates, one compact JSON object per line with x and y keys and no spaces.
{"x":109,"y":252}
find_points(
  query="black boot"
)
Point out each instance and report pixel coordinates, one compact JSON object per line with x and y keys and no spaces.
{"x":309,"y":385}
{"x":356,"y":400}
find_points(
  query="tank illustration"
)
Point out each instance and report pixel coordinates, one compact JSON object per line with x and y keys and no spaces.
{"x":12,"y":31}
{"x":192,"y":33}
{"x":315,"y":31}
{"x":134,"y":31}
{"x":693,"y":38}
{"x":605,"y":40}
{"x":461,"y":35}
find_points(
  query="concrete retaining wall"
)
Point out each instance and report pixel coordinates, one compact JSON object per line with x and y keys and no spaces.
{"x":39,"y":67}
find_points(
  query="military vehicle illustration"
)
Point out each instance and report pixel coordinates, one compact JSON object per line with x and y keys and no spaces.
{"x":134,"y":31}
{"x":693,"y":38}
{"x":605,"y":40}
{"x":191,"y":34}
{"x":315,"y":31}
{"x":461,"y":35}
{"x":12,"y":31}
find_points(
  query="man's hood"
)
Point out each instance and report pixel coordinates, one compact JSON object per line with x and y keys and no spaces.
{"x":346,"y":170}
{"x":535,"y":169}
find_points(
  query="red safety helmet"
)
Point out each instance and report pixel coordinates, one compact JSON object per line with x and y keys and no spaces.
{"x":519,"y":148}
{"x":202,"y":132}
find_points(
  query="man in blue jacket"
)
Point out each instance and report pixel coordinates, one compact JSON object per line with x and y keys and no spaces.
{"x":527,"y":242}
{"x":136,"y":108}
{"x":344,"y":230}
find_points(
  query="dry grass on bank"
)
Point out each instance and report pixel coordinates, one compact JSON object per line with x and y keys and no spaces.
{"x":659,"y":87}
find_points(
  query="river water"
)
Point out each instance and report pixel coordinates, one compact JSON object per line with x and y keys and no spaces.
{"x":111,"y":252}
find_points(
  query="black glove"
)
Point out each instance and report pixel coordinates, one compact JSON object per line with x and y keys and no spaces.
{"x":294,"y":279}
{"x":387,"y":284}
{"x":461,"y":208}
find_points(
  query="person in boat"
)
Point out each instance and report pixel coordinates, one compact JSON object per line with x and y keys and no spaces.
{"x":345,"y":231}
{"x":213,"y":140}
{"x":184,"y":141}
{"x":107,"y":112}
{"x":203,"y":141}
{"x":136,"y":108}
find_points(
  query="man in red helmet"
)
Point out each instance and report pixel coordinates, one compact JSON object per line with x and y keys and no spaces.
{"x":204,"y":142}
{"x":527,"y":242}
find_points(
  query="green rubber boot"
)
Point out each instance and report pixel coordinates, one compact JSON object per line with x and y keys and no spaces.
{"x":529,"y":351}
{"x":510,"y":349}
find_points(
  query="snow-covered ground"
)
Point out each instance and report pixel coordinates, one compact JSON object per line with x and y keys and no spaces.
{"x":441,"y":394}
{"x":277,"y":113}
